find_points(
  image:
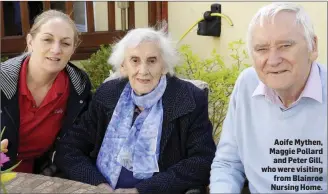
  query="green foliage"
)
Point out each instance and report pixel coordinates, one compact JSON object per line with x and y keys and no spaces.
{"x":219,"y":75}
{"x":3,"y":59}
{"x":97,"y":67}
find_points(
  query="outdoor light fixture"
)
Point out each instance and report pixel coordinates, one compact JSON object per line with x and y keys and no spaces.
{"x":210,"y":23}
{"x":123,"y":5}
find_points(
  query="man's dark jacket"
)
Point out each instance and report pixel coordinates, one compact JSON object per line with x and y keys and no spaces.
{"x":186,"y":148}
{"x":79,"y":97}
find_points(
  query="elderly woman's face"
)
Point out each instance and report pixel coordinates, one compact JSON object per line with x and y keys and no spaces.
{"x":53,"y":45}
{"x":144,"y":67}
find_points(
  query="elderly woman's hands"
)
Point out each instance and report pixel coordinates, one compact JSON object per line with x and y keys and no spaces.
{"x":134,"y":190}
{"x":107,"y":187}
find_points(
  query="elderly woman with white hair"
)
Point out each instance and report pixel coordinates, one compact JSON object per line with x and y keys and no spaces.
{"x":146,"y":131}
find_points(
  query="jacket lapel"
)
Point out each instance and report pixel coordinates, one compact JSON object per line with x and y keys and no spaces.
{"x":11,"y":109}
{"x":177,"y":102}
{"x":10,"y":74}
{"x":10,"y":120}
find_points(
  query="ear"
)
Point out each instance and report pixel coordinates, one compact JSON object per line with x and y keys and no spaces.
{"x":75,"y":46}
{"x":123,"y":70}
{"x":165,"y":70}
{"x":74,"y":50}
{"x":29,"y":40}
{"x":314,"y":52}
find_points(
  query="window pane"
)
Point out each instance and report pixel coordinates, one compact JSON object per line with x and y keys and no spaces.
{"x":35,"y":9}
{"x":80,"y":16}
{"x":58,"y":5}
{"x":12,"y":18}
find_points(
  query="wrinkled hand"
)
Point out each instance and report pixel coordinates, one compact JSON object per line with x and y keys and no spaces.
{"x":134,"y":190}
{"x":107,"y":187}
{"x":4,"y":145}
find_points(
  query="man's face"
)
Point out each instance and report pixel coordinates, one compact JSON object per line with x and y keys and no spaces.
{"x":280,"y":52}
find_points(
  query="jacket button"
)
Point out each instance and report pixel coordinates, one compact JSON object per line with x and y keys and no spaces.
{"x":81,"y":101}
{"x":58,"y":138}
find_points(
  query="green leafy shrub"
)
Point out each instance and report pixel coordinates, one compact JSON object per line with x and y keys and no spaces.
{"x":97,"y":67}
{"x":219,"y":75}
{"x":3,"y":59}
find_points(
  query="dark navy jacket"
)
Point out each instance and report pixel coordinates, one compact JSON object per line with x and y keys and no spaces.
{"x":186,"y":148}
{"x":79,"y":97}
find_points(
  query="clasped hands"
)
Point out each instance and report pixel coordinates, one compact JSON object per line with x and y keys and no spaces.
{"x":108,"y":188}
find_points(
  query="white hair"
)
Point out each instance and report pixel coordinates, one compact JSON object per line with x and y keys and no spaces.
{"x":134,"y":37}
{"x":270,"y":11}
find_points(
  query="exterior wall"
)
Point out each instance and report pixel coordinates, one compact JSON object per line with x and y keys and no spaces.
{"x":182,"y":15}
{"x":141,"y":14}
{"x":101,"y":15}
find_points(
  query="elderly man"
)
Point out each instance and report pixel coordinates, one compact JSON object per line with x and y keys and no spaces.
{"x":275,"y":132}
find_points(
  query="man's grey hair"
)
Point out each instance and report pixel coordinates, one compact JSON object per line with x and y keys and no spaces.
{"x":134,"y":37}
{"x":271,"y":10}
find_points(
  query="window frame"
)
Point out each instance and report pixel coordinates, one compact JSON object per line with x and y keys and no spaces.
{"x":14,"y":45}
